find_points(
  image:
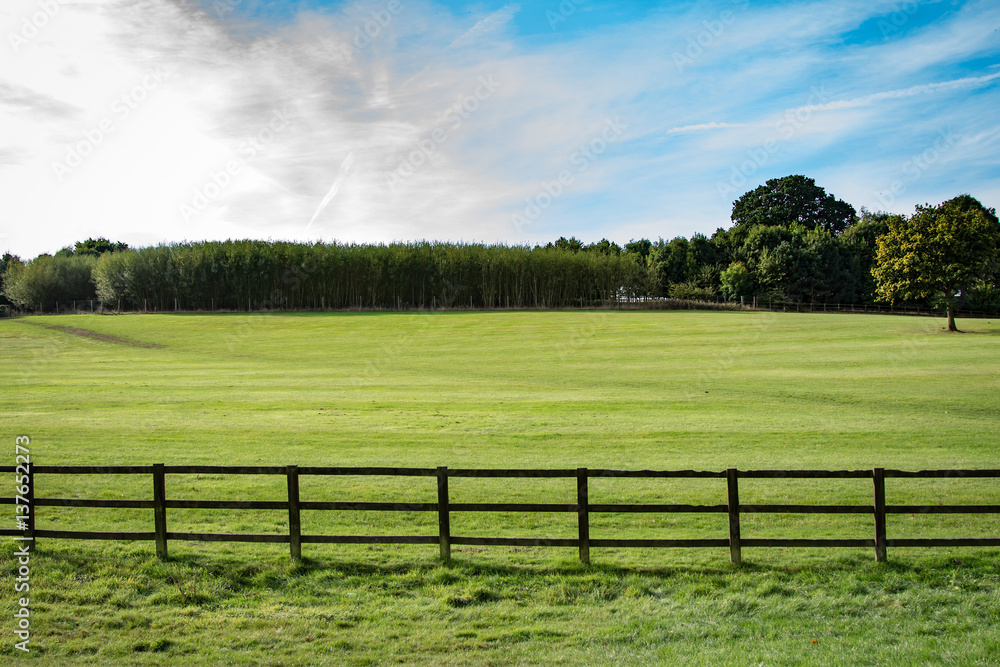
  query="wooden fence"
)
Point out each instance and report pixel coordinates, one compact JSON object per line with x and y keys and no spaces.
{"x":294,"y":505}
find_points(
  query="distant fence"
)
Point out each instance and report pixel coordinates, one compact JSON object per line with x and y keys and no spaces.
{"x":86,"y":306}
{"x":869,"y":308}
{"x":799,"y":307}
{"x":294,"y":505}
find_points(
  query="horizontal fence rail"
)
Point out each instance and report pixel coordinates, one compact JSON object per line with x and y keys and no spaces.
{"x":879,"y":509}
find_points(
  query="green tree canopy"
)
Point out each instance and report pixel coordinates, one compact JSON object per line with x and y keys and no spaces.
{"x":939,"y":252}
{"x":47,"y":278}
{"x":794,"y":263}
{"x":99,"y":246}
{"x":640,"y":249}
{"x":792,"y":199}
{"x":604,"y":247}
{"x":736,"y":281}
{"x":861,"y":240}
{"x":572,"y":244}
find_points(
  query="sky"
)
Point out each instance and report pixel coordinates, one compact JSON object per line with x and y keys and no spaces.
{"x":161,"y":121}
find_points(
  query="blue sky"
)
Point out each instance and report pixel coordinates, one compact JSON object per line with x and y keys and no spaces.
{"x":160,"y":120}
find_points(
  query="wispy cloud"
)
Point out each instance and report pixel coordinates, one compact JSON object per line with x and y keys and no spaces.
{"x":487,"y":28}
{"x":345,"y":168}
{"x":702,"y":127}
{"x":923,"y":89}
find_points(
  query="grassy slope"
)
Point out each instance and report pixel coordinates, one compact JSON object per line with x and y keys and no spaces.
{"x":663,"y":389}
{"x":565,"y":389}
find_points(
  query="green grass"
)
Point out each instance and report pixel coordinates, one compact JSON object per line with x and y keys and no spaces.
{"x":660,"y":390}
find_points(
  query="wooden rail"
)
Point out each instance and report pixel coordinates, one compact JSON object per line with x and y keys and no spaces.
{"x":583,"y":508}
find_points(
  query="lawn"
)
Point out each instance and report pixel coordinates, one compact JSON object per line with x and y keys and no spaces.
{"x":660,"y":390}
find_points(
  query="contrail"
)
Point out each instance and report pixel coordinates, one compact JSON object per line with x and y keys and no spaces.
{"x":335,"y":188}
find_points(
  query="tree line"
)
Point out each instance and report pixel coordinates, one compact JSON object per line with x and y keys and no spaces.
{"x":259,"y":275}
{"x":789,"y":241}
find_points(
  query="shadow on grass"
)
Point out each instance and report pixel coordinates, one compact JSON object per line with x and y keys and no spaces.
{"x":238,"y":573}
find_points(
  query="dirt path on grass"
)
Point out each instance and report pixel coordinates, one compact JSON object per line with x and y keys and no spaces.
{"x":107,"y":338}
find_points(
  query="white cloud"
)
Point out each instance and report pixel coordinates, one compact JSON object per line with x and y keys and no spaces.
{"x":685,"y":129}
{"x":923,"y":89}
{"x":247,"y":129}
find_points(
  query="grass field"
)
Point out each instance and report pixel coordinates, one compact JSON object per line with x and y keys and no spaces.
{"x":662,"y":390}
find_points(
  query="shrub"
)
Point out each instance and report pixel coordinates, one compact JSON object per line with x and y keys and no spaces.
{"x":736,"y":281}
{"x":691,"y":291}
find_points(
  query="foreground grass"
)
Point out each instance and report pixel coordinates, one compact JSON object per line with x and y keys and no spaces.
{"x":95,"y":606}
{"x":566,"y":389}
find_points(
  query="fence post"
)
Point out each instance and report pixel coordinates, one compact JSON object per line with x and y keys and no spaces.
{"x":878,"y":477}
{"x":294,"y":524}
{"x":734,"y":516}
{"x":160,"y":510}
{"x":444,"y":520}
{"x":583,"y":514}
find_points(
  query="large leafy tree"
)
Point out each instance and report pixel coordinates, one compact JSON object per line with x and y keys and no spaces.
{"x":861,"y":240}
{"x":792,"y":199}
{"x":939,"y":252}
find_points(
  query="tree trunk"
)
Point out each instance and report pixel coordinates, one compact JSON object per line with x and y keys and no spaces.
{"x":951,"y":318}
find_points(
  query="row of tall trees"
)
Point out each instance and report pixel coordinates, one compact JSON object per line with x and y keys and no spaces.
{"x":241,"y":275}
{"x":790,"y":241}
